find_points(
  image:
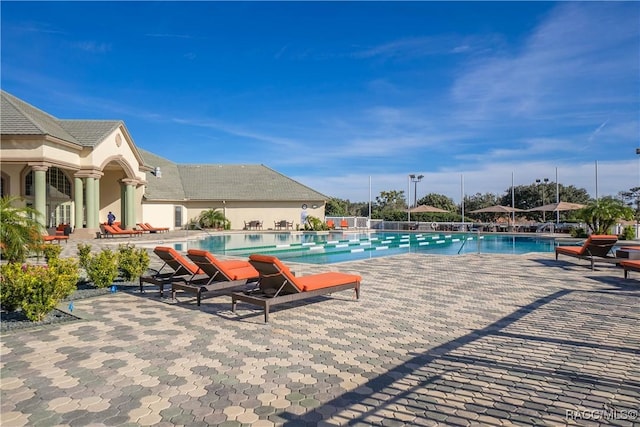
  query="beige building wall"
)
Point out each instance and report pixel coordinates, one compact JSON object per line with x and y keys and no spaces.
{"x":115,"y":148}
{"x":268,"y":212}
{"x":159,"y":214}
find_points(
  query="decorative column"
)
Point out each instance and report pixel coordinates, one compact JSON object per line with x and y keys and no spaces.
{"x":129,"y":205}
{"x":123,"y":204}
{"x":78,"y":198}
{"x":40,"y":193}
{"x":96,"y":210}
{"x":91,"y":203}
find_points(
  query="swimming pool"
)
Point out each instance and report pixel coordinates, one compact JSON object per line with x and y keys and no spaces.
{"x":348,"y":246}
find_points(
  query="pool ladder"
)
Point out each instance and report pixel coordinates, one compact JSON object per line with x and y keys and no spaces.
{"x":466,"y":238}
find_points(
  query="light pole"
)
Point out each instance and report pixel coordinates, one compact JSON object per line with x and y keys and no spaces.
{"x":415,"y":179}
{"x":540,"y":182}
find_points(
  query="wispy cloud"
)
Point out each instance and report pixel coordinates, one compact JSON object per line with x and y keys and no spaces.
{"x":169,"y":35}
{"x":416,"y":47}
{"x":558,"y":68}
{"x":93,"y":47}
{"x":597,"y":131}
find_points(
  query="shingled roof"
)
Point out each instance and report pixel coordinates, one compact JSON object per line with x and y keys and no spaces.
{"x":20,"y":118}
{"x":178,"y":181}
{"x":222,"y":182}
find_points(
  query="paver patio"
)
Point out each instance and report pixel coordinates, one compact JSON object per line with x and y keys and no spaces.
{"x":434,"y":340}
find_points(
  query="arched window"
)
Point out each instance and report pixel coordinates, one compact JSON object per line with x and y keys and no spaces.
{"x":56,"y":181}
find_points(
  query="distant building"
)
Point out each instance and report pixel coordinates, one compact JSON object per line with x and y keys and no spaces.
{"x":75,"y":171}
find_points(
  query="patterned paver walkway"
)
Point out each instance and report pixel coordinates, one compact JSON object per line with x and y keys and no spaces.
{"x":434,"y":340}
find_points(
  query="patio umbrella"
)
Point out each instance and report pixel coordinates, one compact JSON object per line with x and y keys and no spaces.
{"x":560,"y":206}
{"x":426,"y":209}
{"x":497,"y":209}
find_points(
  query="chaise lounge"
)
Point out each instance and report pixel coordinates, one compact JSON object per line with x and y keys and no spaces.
{"x":596,"y":247}
{"x":49,"y":238}
{"x":217,"y":275}
{"x":114,"y":230}
{"x":630,"y":265}
{"x":183,"y":269}
{"x":278,"y":284}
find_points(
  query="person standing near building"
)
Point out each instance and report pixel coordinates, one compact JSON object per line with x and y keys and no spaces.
{"x":111,"y":218}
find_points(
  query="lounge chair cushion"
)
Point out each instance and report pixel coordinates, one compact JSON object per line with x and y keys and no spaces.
{"x":185,"y":263}
{"x":325,"y":280}
{"x":631,"y":265}
{"x":310,"y":282}
{"x":232,"y":269}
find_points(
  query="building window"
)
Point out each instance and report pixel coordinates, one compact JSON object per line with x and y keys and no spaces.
{"x":3,"y":187}
{"x":178,"y":217}
{"x":56,"y":180}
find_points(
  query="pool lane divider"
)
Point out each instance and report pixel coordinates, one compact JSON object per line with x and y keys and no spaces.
{"x":356,"y":245}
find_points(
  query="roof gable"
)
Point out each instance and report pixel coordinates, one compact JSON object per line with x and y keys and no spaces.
{"x":90,"y":133}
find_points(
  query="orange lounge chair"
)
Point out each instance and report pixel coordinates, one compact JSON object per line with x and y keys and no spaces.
{"x":630,"y":265}
{"x":344,"y":224}
{"x":218,"y":275}
{"x":595,"y":247}
{"x":152,"y":228}
{"x":183,"y":269}
{"x":277,"y":284}
{"x":331,"y":224}
{"x":144,"y":228}
{"x":114,"y":230}
{"x":56,"y":238}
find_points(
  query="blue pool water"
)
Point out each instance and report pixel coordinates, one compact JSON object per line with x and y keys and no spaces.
{"x":339,"y":247}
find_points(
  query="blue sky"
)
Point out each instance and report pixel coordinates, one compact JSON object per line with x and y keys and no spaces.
{"x":333,"y":93}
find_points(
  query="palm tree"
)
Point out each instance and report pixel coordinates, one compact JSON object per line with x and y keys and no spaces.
{"x":603,"y":214}
{"x":20,"y":230}
{"x":213,"y":218}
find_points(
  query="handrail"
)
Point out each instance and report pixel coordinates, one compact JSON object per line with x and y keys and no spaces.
{"x":197,"y":226}
{"x":464,"y":242}
{"x":466,"y":238}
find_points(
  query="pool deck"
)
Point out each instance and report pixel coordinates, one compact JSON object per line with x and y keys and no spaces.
{"x":434,"y":340}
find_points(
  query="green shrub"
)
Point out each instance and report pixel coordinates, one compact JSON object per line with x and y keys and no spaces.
{"x":629,"y":233}
{"x":65,"y":272}
{"x":132,"y":262}
{"x":51,"y":284}
{"x":84,"y":254}
{"x":315,"y":224}
{"x":37,"y":289}
{"x":12,"y":285}
{"x":102,"y":268}
{"x":578,"y":232}
{"x":51,"y":251}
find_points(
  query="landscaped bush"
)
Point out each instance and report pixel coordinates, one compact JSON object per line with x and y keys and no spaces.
{"x":578,"y":232}
{"x":37,"y":289}
{"x":84,"y":254}
{"x":12,"y":285}
{"x":102,"y":268}
{"x":629,"y":233}
{"x":51,"y":284}
{"x":132,"y":262}
{"x":315,"y":224}
{"x":51,"y":251}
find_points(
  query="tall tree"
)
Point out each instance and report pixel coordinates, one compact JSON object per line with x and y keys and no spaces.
{"x":632,"y":197}
{"x":439,"y":201}
{"x":531,"y":196}
{"x":390,"y":206}
{"x":479,"y":201}
{"x":336,"y":207}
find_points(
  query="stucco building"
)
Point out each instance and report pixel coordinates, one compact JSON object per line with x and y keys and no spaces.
{"x":76,"y":171}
